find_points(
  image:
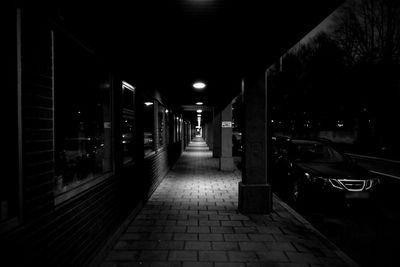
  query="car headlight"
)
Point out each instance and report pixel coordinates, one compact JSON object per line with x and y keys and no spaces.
{"x":371,"y":183}
{"x":336,"y":184}
{"x":320,"y":180}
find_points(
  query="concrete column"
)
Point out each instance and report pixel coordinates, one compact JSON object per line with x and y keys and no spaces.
{"x":226,"y":159}
{"x":255,"y":194}
{"x":209,"y":134}
{"x":217,"y":135}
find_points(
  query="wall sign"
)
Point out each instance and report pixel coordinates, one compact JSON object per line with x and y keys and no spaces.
{"x":226,"y":124}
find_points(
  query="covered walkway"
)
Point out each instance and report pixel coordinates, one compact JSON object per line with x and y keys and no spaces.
{"x":192,"y":220}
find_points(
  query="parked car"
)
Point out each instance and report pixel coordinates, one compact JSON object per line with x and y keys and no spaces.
{"x":307,"y":169}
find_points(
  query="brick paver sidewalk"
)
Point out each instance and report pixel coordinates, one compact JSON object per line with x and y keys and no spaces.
{"x":192,"y":220}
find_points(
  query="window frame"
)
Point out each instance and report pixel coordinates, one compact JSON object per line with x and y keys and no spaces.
{"x":76,"y":188}
{"x":15,"y":220}
{"x":131,"y":115}
{"x":153,"y":123}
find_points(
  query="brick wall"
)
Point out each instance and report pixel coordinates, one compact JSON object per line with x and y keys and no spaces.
{"x":73,"y":232}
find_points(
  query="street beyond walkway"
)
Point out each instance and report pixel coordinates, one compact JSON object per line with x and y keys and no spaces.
{"x":192,"y":220}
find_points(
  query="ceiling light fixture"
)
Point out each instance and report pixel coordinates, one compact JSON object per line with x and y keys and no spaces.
{"x":199,"y":103}
{"x":199,"y":85}
{"x":199,"y":111}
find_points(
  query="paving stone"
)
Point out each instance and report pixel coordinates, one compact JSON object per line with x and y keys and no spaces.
{"x":165,"y":222}
{"x":165,"y":264}
{"x":236,"y":237}
{"x":153,"y":255}
{"x":213,"y":256}
{"x":188,"y":223}
{"x":170,"y":245}
{"x":281,"y":246}
{"x":197,"y":264}
{"x":231,"y":223}
{"x":150,"y":229}
{"x":198,"y":229}
{"x":261,"y":237}
{"x":302,"y":257}
{"x":185,"y":236}
{"x":208,"y":212}
{"x":252,"y":246}
{"x":209,"y":223}
{"x":211,"y":237}
{"x":230,"y":264}
{"x":198,"y":217}
{"x":238,"y":217}
{"x":219,"y":217}
{"x":175,"y":229}
{"x":226,"y":246}
{"x":122,"y":256}
{"x":198,"y":245}
{"x":178,"y":217}
{"x":182,"y":255}
{"x":134,"y":264}
{"x":275,"y":256}
{"x":189,"y":212}
{"x":245,"y":230}
{"x":160,"y":236}
{"x":222,"y":230}
{"x":240,"y":256}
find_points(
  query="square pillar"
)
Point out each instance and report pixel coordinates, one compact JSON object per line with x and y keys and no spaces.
{"x":226,"y":159}
{"x":217,"y":135}
{"x":255,"y":194}
{"x":209,"y":134}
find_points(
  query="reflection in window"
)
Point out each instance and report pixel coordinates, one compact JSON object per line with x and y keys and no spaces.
{"x":148,"y":126}
{"x":161,"y":125}
{"x":10,"y":164}
{"x":177,"y":129}
{"x":82,"y":116}
{"x":128,"y":122}
{"x":166,"y":127}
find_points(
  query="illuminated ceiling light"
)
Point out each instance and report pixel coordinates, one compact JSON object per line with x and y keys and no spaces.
{"x":199,"y":111}
{"x":148,"y":103}
{"x":127,"y":85}
{"x":199,"y":85}
{"x":166,"y":111}
{"x":199,"y":103}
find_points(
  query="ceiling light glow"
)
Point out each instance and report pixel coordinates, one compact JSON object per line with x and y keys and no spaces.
{"x":199,"y":85}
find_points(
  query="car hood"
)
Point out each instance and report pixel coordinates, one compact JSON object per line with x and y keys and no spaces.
{"x":341,"y":170}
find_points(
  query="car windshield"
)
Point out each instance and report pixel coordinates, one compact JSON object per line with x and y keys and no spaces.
{"x":311,"y":151}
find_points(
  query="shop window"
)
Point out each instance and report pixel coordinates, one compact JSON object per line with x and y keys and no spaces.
{"x":166,"y":126}
{"x":177,"y":137}
{"x":180,"y":128}
{"x":128,"y":122}
{"x":82,"y":116}
{"x":161,"y":125}
{"x":10,"y":186}
{"x":148,"y":127}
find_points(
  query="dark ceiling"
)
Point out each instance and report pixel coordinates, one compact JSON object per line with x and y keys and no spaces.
{"x":168,"y":44}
